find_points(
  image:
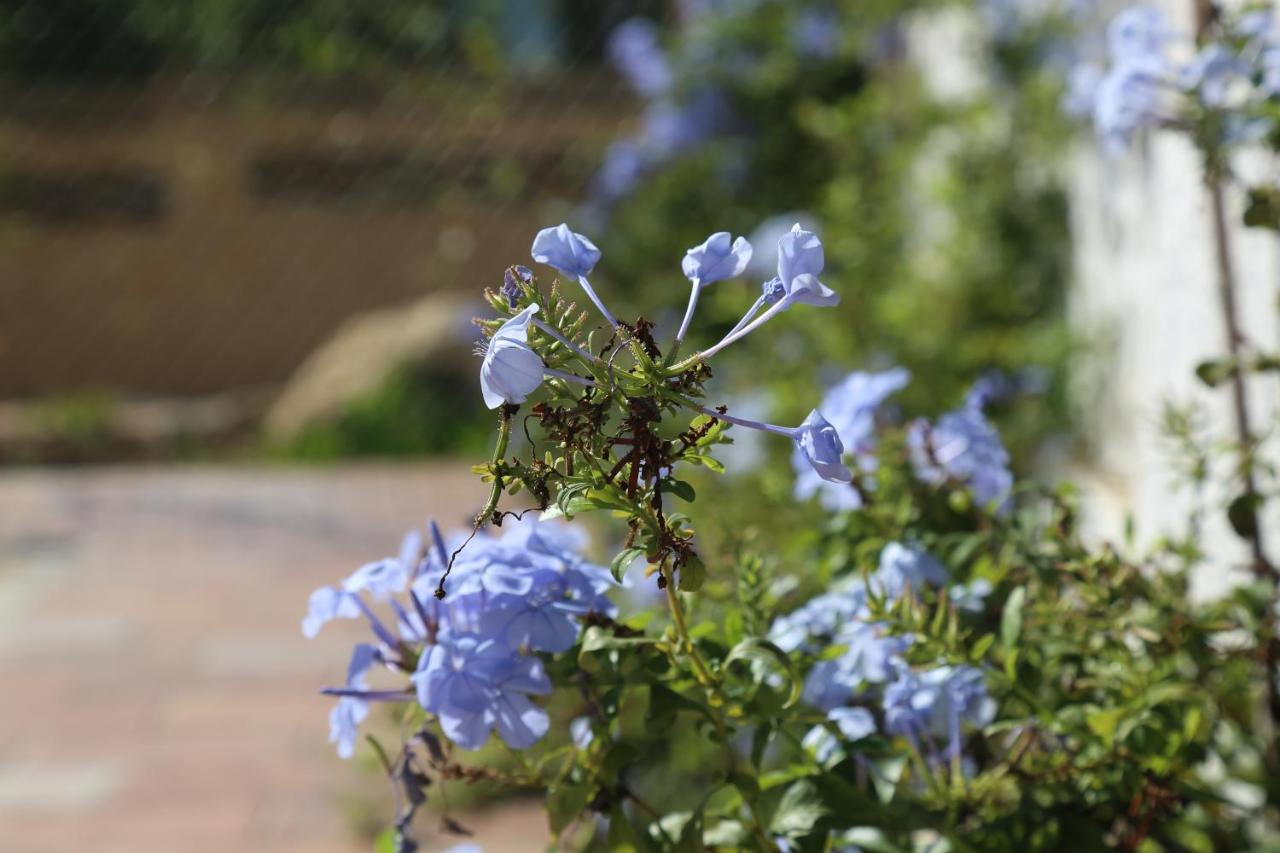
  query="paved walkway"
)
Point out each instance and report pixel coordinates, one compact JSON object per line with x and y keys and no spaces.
{"x":155,"y":692}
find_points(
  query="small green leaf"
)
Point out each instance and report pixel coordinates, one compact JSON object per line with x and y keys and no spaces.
{"x":799,"y":809}
{"x":623,"y":561}
{"x":692,"y":574}
{"x":1011,"y":619}
{"x":565,"y":802}
{"x":1243,"y":515}
{"x":680,"y":489}
{"x":757,"y":648}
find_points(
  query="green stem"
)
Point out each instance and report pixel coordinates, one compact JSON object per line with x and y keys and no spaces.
{"x":506,"y":413}
{"x":682,"y":631}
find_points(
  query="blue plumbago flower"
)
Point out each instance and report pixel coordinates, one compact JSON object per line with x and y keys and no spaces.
{"x":511,"y":370}
{"x":772,"y":291}
{"x":572,"y":255}
{"x":511,"y":280}
{"x":344,"y":724}
{"x":350,"y":711}
{"x":474,"y":686}
{"x":1140,"y":32}
{"x":853,"y":723}
{"x":906,"y":565}
{"x":962,"y":446}
{"x":1128,"y":100}
{"x":800,"y":261}
{"x":820,"y":618}
{"x":635,"y":50}
{"x":387,"y":577}
{"x":869,"y":657}
{"x":545,"y":618}
{"x":851,"y":408}
{"x":719,"y":257}
{"x":326,"y":604}
{"x":938,"y":703}
{"x":971,"y":597}
{"x":818,"y":440}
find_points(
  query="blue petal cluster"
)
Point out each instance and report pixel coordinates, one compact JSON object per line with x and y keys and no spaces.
{"x":863,"y":656}
{"x":937,"y":704}
{"x":509,"y":597}
{"x":962,"y":447}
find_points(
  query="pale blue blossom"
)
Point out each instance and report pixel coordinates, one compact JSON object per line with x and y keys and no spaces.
{"x":870,"y":657}
{"x":511,"y":370}
{"x":1129,"y":99}
{"x":971,"y":597}
{"x":906,"y":565}
{"x":718,"y":257}
{"x":344,"y":724}
{"x":820,"y":618}
{"x":572,"y":255}
{"x":965,"y":448}
{"x":853,"y":723}
{"x":475,"y":686}
{"x":580,"y":732}
{"x":1140,"y":32}
{"x":328,"y":603}
{"x":851,"y":406}
{"x":938,"y":703}
{"x":818,"y":440}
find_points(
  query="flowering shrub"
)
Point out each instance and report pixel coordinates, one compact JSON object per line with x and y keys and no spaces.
{"x":943,"y":664}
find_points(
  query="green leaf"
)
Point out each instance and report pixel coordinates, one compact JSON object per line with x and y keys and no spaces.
{"x":625,"y":558}
{"x":709,"y":462}
{"x":692,"y":574}
{"x":1243,"y":515}
{"x":799,"y":810}
{"x":981,"y":647}
{"x":595,"y":639}
{"x":1011,"y":619}
{"x":726,"y":833}
{"x":1214,"y":373}
{"x":565,"y":802}
{"x":680,"y":489}
{"x":758,"y":648}
{"x":1103,"y":723}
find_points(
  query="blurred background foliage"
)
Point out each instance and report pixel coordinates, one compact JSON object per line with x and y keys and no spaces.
{"x":945,"y":229}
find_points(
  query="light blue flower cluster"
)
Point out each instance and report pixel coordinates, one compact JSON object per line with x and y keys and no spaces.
{"x":1139,"y":87}
{"x":962,"y":448}
{"x":868,"y":662}
{"x":471,"y":659}
{"x":511,"y":370}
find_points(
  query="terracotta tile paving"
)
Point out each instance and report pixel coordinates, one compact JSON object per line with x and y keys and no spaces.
{"x":155,"y":692}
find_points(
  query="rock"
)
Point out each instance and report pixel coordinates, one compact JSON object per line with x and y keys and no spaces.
{"x":366,"y":350}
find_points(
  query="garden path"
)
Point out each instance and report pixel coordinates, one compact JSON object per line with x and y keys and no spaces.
{"x":155,"y":691}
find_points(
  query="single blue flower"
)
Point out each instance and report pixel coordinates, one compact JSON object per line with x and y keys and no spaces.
{"x":572,"y":255}
{"x":799,"y":253}
{"x":389,"y":576}
{"x":328,"y":603}
{"x":963,"y":446}
{"x":772,"y":291}
{"x":906,"y":565}
{"x":939,"y":702}
{"x":569,"y":253}
{"x":344,"y":724}
{"x":853,"y":723}
{"x":623,"y":168}
{"x":511,"y":370}
{"x":474,"y":686}
{"x":818,"y":440}
{"x":718,"y":258}
{"x":851,"y":406}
